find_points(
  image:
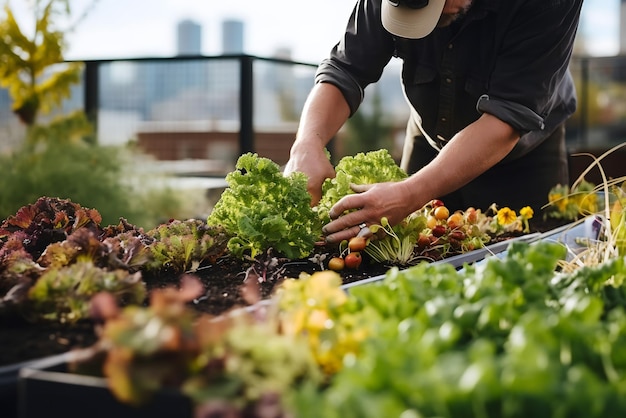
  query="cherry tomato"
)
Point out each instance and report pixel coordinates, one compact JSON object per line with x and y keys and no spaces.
{"x":353,"y":260}
{"x":357,"y":243}
{"x":436,"y":203}
{"x":441,"y":213}
{"x":458,"y":235}
{"x":455,"y":243}
{"x":439,"y":230}
{"x":431,"y":222}
{"x":336,"y":263}
{"x":471,"y":215}
{"x":455,"y":220}
{"x":423,"y":241}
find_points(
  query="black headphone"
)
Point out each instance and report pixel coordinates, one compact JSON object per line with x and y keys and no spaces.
{"x":411,"y":4}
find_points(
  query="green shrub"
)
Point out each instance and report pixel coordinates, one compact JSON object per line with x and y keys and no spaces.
{"x":91,"y":175}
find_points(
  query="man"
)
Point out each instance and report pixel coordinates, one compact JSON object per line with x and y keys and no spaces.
{"x":489,"y":89}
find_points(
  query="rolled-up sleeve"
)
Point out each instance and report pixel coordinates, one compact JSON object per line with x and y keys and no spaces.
{"x":520,"y":117}
{"x":329,"y":72}
{"x":527,"y":82}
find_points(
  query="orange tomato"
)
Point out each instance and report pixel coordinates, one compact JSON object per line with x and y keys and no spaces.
{"x":336,"y":264}
{"x":357,"y":243}
{"x":455,"y":220}
{"x":441,"y":213}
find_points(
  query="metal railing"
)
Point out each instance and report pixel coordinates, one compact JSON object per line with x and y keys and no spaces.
{"x":600,"y":120}
{"x":245,"y":94}
{"x":240,"y":93}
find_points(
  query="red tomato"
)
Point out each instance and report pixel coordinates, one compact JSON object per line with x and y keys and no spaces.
{"x":458,"y":235}
{"x":353,"y":260}
{"x":423,"y":241}
{"x":436,"y":203}
{"x":439,"y":230}
{"x":455,"y":243}
{"x":336,"y":263}
{"x":357,"y":243}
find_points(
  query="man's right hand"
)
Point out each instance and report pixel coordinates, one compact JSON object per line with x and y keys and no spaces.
{"x":313,"y":162}
{"x":325,"y":111}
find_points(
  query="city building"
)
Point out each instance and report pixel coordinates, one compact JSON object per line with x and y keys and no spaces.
{"x":188,"y":38}
{"x":232,"y":36}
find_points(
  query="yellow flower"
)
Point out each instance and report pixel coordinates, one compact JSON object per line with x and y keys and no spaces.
{"x":554,"y":196}
{"x":506,"y":216}
{"x":558,"y":197}
{"x":588,"y":204}
{"x":526,"y":212}
{"x":559,"y":200}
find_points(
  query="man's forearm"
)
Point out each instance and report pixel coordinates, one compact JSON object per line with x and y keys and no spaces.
{"x":324,"y":113}
{"x":470,"y":153}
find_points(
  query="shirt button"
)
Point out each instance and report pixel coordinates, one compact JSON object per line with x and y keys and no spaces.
{"x":450,"y":46}
{"x":444,"y":119}
{"x":448,"y":80}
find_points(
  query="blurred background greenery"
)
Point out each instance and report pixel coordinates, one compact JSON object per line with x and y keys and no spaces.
{"x":60,"y":156}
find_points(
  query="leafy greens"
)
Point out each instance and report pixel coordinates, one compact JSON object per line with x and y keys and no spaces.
{"x":264,"y":209}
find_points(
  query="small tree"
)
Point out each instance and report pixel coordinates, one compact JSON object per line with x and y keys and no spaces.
{"x":61,"y":158}
{"x":26,"y":60}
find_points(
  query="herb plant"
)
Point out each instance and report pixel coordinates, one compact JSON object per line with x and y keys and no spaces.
{"x":398,"y":243}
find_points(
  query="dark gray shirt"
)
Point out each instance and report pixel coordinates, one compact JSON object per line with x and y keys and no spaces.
{"x":508,"y":58}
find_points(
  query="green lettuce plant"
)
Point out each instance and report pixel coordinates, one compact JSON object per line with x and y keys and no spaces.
{"x":181,"y":246}
{"x":363,"y":168}
{"x":263,"y":209}
{"x":64,"y":294}
{"x":509,"y":338}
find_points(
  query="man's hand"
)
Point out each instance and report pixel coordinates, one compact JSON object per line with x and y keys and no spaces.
{"x":373,"y":201}
{"x":325,"y":111}
{"x":315,"y":164}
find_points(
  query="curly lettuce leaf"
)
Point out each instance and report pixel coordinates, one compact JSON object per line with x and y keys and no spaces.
{"x":48,"y":220}
{"x":363,"y":168}
{"x":185,"y":245}
{"x":264,"y":209}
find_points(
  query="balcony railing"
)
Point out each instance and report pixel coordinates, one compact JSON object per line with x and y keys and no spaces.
{"x":221,"y":106}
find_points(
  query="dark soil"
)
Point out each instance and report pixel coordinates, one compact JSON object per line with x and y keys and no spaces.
{"x":21,"y":341}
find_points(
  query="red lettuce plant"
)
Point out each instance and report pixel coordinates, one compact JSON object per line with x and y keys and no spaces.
{"x":54,"y":256}
{"x":46,"y":221}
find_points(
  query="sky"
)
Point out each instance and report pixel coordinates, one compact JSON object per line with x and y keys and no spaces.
{"x":147,"y":28}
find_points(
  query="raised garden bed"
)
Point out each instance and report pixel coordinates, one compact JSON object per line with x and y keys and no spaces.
{"x":213,"y":256}
{"x":47,"y":384}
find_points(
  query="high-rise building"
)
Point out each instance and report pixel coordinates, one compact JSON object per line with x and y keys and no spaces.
{"x":189,"y":38}
{"x":232,"y":36}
